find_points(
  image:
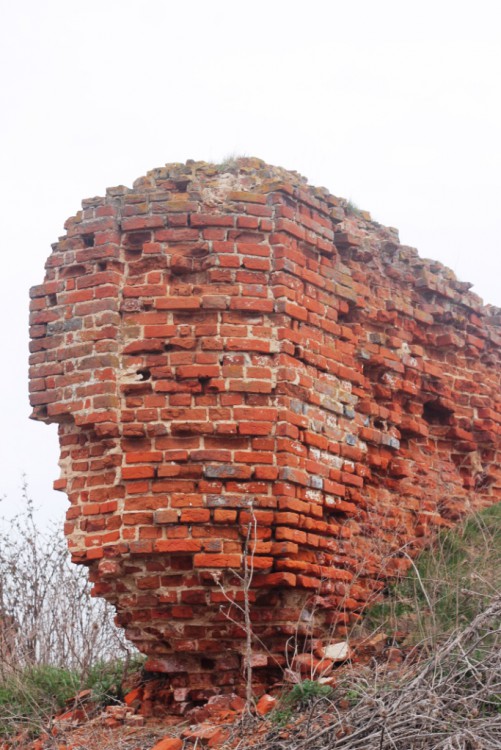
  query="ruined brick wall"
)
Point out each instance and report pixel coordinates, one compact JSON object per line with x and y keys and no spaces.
{"x":240,"y":363}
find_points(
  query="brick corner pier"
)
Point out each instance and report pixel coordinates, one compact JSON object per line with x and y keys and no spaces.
{"x":256,"y":387}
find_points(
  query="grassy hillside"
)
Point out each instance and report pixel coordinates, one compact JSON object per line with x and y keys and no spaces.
{"x":448,"y":585}
{"x":445,"y":619}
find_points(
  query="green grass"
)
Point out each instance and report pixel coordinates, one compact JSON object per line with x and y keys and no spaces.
{"x":29,"y":698}
{"x":299,"y":698}
{"x":448,"y":584}
{"x":105,"y":679}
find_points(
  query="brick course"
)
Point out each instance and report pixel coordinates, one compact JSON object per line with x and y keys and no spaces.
{"x":241,"y":363}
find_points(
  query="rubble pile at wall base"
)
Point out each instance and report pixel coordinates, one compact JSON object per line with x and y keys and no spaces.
{"x":265,"y":404}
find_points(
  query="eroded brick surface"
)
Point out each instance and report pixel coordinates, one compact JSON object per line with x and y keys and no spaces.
{"x":229,"y":350}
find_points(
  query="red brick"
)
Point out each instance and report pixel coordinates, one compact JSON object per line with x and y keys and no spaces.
{"x":195,"y":515}
{"x":178,"y":545}
{"x":177,"y":303}
{"x":217,"y":561}
{"x":138,"y":472}
{"x":249,"y":303}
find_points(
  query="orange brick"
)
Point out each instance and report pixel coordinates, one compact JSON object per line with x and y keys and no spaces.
{"x":217,"y":561}
{"x":178,"y":545}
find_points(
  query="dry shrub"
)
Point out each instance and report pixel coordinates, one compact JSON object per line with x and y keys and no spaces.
{"x":48,"y":616}
{"x":446,"y":695}
{"x":54,"y":638}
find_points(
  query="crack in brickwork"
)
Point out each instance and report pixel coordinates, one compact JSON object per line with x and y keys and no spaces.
{"x":224,"y":337}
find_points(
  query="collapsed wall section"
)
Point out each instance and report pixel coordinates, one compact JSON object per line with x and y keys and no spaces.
{"x":257,"y":389}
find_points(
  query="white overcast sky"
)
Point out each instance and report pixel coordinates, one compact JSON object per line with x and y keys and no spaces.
{"x":393,"y":104}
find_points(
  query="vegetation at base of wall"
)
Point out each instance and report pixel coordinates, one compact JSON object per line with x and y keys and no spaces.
{"x":47,"y":614}
{"x":31,"y":697}
{"x":106,"y":679}
{"x":39,"y":691}
{"x":445,"y":616}
{"x":448,"y":698}
{"x":448,"y":584}
{"x":301,"y":697}
{"x":55,"y":639}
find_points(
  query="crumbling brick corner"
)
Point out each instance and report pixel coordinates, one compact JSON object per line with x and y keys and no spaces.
{"x":250,"y":374}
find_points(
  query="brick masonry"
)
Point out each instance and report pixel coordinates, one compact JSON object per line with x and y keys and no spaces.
{"x":248,"y":372}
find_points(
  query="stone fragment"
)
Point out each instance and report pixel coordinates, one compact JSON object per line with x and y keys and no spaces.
{"x":337,"y":651}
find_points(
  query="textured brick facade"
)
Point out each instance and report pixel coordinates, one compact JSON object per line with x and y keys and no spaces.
{"x":228,"y":350}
